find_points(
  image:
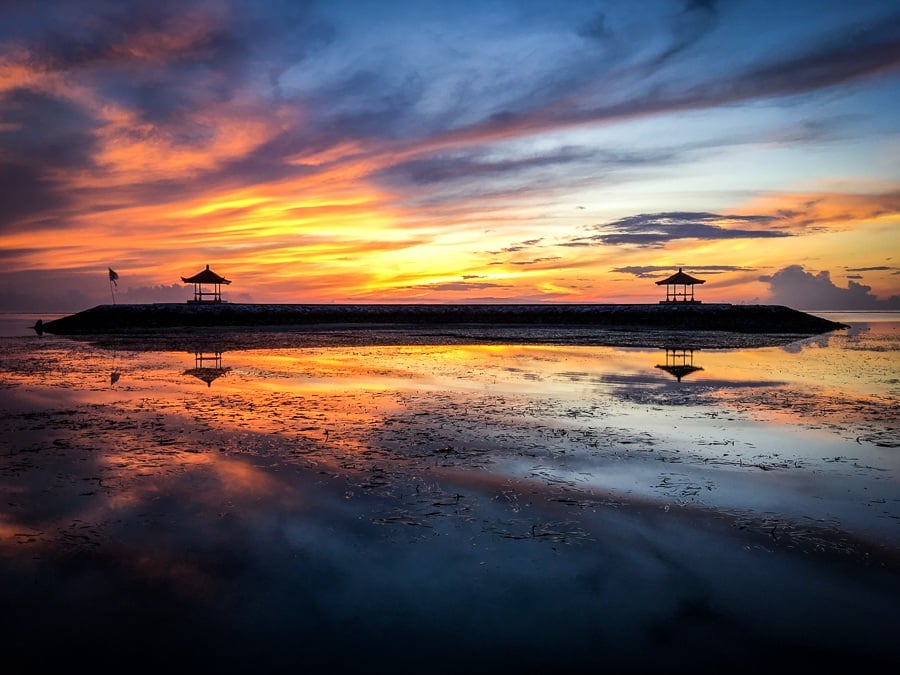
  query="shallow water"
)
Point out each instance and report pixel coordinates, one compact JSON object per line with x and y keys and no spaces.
{"x":461,"y":504}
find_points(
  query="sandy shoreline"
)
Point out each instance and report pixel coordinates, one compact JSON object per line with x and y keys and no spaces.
{"x":383,"y":508}
{"x":458,"y":568}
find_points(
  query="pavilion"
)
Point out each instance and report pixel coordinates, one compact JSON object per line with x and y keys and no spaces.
{"x":685,"y":281}
{"x":209,"y":278}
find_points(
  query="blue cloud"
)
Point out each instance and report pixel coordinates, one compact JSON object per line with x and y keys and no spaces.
{"x":795,"y":287}
{"x":655,"y":230}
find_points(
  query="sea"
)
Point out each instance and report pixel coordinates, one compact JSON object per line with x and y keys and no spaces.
{"x":282,"y":501}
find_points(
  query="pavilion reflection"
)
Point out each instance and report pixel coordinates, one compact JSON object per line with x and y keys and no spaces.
{"x":679,"y":362}
{"x":207,"y":365}
{"x":115,"y":370}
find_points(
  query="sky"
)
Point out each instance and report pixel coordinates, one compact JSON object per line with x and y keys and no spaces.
{"x":433,"y":152}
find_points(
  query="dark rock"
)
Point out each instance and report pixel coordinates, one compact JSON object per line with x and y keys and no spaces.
{"x":123,"y":319}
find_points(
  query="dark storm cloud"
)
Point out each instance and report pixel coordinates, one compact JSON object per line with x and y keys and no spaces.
{"x":795,"y":287}
{"x":655,"y":230}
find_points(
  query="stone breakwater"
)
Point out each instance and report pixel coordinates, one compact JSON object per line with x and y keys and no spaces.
{"x":113,"y":319}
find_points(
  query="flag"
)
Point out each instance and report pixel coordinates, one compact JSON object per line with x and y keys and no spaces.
{"x":113,"y":276}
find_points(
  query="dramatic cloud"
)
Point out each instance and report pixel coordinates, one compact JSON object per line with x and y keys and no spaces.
{"x":850,"y":54}
{"x":358,"y":150}
{"x":655,"y":271}
{"x":655,"y":230}
{"x":845,"y":56}
{"x":471,"y":167}
{"x":25,"y":191}
{"x":535,"y":261}
{"x":458,"y":286}
{"x":797,"y":288}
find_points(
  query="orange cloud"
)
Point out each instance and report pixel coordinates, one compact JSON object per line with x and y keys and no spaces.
{"x":831,"y":211}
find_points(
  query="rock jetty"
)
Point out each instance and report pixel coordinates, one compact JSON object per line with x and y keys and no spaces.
{"x":124,"y":319}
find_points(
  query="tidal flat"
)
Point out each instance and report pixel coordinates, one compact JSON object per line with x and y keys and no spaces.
{"x":274,"y":502}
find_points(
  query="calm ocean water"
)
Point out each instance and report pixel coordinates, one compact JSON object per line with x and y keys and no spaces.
{"x":18,"y":324}
{"x":808,"y":407}
{"x":476,"y":498}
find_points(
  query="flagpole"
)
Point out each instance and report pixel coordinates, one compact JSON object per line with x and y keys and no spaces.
{"x":112,"y":281}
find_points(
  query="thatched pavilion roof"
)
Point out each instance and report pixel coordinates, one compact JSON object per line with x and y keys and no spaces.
{"x":207,"y":276}
{"x":681,"y":278}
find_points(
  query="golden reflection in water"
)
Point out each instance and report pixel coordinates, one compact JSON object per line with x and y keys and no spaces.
{"x":679,"y":363}
{"x":207,"y":366}
{"x":357,"y":410}
{"x":327,"y":398}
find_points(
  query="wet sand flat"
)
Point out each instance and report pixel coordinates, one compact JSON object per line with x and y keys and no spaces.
{"x":475,"y":507}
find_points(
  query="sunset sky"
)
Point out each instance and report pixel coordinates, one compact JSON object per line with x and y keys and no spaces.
{"x":481,"y":151}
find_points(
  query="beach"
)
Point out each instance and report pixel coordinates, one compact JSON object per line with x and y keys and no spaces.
{"x":281,"y":502}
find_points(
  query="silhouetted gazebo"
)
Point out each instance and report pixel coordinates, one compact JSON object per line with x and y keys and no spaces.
{"x":685,"y":281}
{"x":209,"y":278}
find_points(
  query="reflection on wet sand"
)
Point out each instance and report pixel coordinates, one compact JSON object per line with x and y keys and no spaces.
{"x":207,"y":366}
{"x":679,"y":362}
{"x":465,"y":506}
{"x":115,"y":374}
